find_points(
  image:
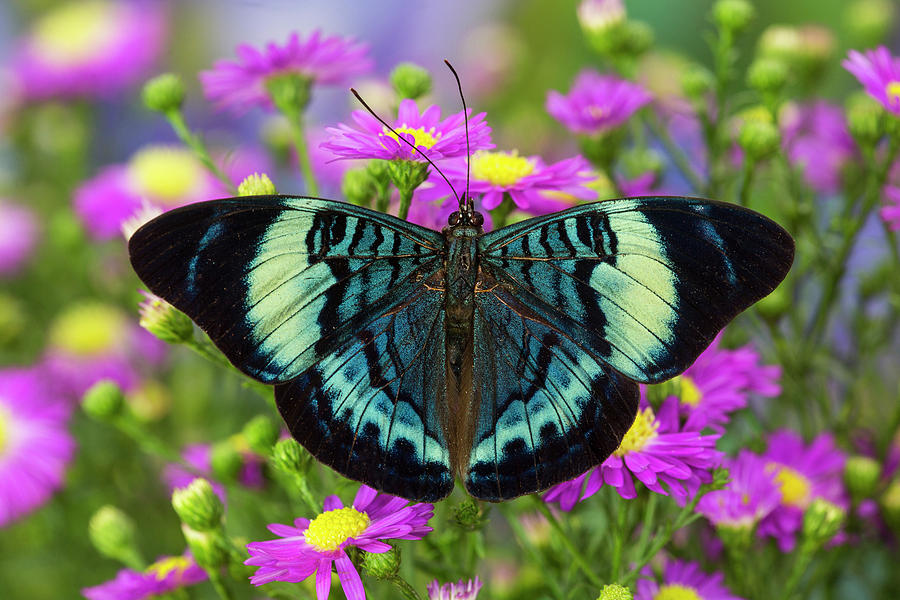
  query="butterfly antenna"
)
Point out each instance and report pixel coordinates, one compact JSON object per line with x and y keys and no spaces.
{"x":468,"y":208}
{"x":408,"y":143}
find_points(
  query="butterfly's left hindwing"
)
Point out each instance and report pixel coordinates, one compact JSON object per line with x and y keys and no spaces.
{"x":329,"y":302}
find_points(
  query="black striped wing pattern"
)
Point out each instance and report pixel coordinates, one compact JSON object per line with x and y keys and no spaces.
{"x":329,"y":303}
{"x":577,"y":306}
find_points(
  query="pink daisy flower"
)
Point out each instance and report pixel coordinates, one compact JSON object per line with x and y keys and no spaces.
{"x":525,"y":179}
{"x":35,"y":445}
{"x":240,"y":85}
{"x":597,"y":103}
{"x":815,"y":137}
{"x":167,"y":574}
{"x":803,"y":473}
{"x":654,"y":451}
{"x":683,"y":580}
{"x":879,"y":72}
{"x":315,"y":546}
{"x":433,"y":136}
{"x":462,"y":590}
{"x":719,"y":383}
{"x":890,"y":212}
{"x":18,"y":237}
{"x":751,"y":494}
{"x":94,"y":49}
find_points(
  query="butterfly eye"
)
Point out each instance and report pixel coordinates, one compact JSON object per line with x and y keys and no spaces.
{"x":477,"y":219}
{"x":453,"y":220}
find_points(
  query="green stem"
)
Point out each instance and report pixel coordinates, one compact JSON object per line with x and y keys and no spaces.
{"x":219,"y":584}
{"x":537,"y":557}
{"x":723,"y":57}
{"x":563,"y":537}
{"x":406,"y":590}
{"x":746,"y":181}
{"x":675,"y":153}
{"x":405,"y":200}
{"x":195,"y":143}
{"x":618,"y":537}
{"x":299,"y":139}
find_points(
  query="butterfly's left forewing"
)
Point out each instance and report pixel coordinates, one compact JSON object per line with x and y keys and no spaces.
{"x":335,"y":305}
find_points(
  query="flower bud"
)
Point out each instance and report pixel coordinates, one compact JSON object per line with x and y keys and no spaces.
{"x":890,"y":505}
{"x":103,"y":400}
{"x":822,"y":520}
{"x":767,"y":75}
{"x":736,"y":538}
{"x":410,"y":81}
{"x":407,"y":174}
{"x":697,"y":82}
{"x":207,"y":547}
{"x":637,"y":161}
{"x":112,"y":533}
{"x":289,"y":456}
{"x":469,"y":515}
{"x":261,"y":433}
{"x":869,"y":21}
{"x":865,"y":118}
{"x":164,"y":93}
{"x":781,"y":42}
{"x":381,"y":565}
{"x":732,"y":15}
{"x":758,"y":135}
{"x":198,"y":506}
{"x":861,"y":474}
{"x":289,"y":92}
{"x":378,"y":171}
{"x":597,"y":17}
{"x":226,"y":461}
{"x":164,"y":320}
{"x":358,"y":187}
{"x":614,"y":591}
{"x":637,"y":38}
{"x":257,"y":184}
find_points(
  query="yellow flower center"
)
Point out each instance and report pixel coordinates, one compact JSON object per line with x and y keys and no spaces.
{"x":688,"y":391}
{"x":332,"y":528}
{"x":641,"y":432}
{"x":795,"y":487}
{"x":892,"y":90}
{"x":162,"y":568}
{"x":676,"y":591}
{"x":500,"y":168}
{"x":88,"y":329}
{"x":425,"y":139}
{"x":4,"y":420}
{"x":165,"y":174}
{"x":75,"y":32}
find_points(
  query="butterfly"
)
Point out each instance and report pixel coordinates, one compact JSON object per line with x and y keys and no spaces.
{"x":405,"y":357}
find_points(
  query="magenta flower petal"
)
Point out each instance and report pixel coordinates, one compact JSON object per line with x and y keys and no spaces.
{"x":879,"y":73}
{"x":679,"y":575}
{"x":167,"y":574}
{"x":596,"y":103}
{"x":18,"y":237}
{"x":815,"y":138}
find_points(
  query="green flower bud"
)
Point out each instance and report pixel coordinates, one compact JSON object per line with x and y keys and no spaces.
{"x":598,"y":17}
{"x":697,"y":82}
{"x":861,"y":474}
{"x":198,"y":506}
{"x":410,"y":81}
{"x":733,"y":15}
{"x":890,"y":505}
{"x":261,"y":433}
{"x":103,"y":401}
{"x":257,"y":184}
{"x":637,"y":161}
{"x":226,"y":460}
{"x":758,"y":135}
{"x":737,"y":539}
{"x":767,"y":75}
{"x":358,"y":187}
{"x":379,"y":170}
{"x":290,"y":92}
{"x":164,"y":93}
{"x":208,"y":547}
{"x":112,"y":533}
{"x":383,"y":565}
{"x":869,"y":21}
{"x":407,"y":174}
{"x":614,"y":591}
{"x":289,"y":456}
{"x":469,"y":515}
{"x":637,"y":38}
{"x":865,"y":118}
{"x":165,"y":321}
{"x":822,"y":520}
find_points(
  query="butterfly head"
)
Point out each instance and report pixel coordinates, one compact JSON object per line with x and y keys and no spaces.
{"x":466,"y":215}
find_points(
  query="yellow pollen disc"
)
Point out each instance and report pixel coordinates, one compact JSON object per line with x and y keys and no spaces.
{"x":500,"y":168}
{"x":4,"y":421}
{"x":88,"y":329}
{"x":893,"y":90}
{"x":688,"y":391}
{"x":75,"y":32}
{"x":332,"y":528}
{"x":425,"y":139}
{"x":795,"y":487}
{"x":162,"y":568}
{"x":642,"y":431}
{"x":165,"y":174}
{"x":676,"y":591}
